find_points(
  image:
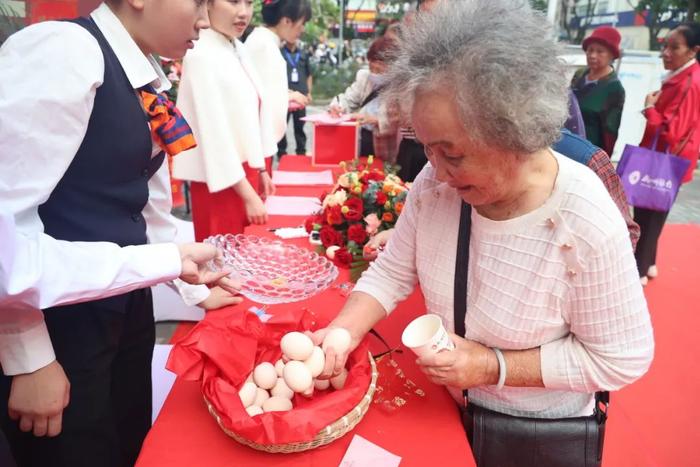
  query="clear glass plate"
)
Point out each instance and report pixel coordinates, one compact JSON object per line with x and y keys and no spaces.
{"x":271,"y":271}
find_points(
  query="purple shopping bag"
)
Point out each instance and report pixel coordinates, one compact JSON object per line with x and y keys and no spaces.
{"x":651,"y":178}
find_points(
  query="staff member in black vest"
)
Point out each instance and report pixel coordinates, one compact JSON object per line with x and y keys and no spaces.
{"x":299,"y":79}
{"x":83,"y":161}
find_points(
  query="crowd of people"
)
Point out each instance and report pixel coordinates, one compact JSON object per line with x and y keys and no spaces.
{"x":516,"y":229}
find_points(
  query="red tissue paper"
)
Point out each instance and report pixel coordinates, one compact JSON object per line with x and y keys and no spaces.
{"x":224,"y":348}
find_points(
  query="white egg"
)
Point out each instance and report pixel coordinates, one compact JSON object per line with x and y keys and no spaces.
{"x":279,"y":366}
{"x":281,"y":389}
{"x":261,"y":396}
{"x":254,"y":410}
{"x":277,"y":404}
{"x":309,"y":393}
{"x":316,"y":361}
{"x":322,"y":384}
{"x":339,"y":381}
{"x":330,"y":251}
{"x":338,"y":339}
{"x":247,"y":394}
{"x":297,"y":376}
{"x":296,"y":346}
{"x":265,"y":375}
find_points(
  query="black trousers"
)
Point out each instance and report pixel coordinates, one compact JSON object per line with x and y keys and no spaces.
{"x":106,"y":355}
{"x":651,"y":223}
{"x":411,"y":157}
{"x":366,"y":142}
{"x":299,"y":135}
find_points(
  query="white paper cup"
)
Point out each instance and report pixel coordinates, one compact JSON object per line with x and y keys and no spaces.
{"x":426,"y":335}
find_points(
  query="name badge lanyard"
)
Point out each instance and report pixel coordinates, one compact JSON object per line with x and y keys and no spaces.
{"x":294,"y":78}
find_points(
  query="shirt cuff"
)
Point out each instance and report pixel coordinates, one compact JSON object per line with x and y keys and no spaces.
{"x":191,"y":294}
{"x":26,"y":351}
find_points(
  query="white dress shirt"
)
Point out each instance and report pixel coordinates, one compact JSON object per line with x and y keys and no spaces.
{"x":264,"y":50}
{"x":222,"y":99}
{"x":43,"y":119}
{"x":561,"y":277}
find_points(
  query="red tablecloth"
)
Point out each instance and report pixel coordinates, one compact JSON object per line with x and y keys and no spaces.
{"x":423,"y":432}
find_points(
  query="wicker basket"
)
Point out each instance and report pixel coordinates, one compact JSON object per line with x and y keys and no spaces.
{"x":330,"y":433}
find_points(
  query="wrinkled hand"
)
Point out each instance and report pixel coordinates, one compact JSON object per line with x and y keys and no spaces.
{"x":376,"y":244}
{"x":194,"y":257}
{"x":37,"y":400}
{"x":219,"y":298}
{"x":267,"y":188}
{"x":469,"y":365}
{"x":651,"y":98}
{"x":335,"y":362}
{"x":255,"y":210}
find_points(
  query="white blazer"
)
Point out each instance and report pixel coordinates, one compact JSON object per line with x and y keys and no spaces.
{"x":223,"y":100}
{"x":263,"y":47}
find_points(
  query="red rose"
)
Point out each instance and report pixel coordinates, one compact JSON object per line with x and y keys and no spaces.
{"x":330,"y":236}
{"x":310,"y":221}
{"x":375,"y":176}
{"x":381,"y":198}
{"x":355,"y":207}
{"x":343,"y":257}
{"x":333,"y":215}
{"x":357,"y":234}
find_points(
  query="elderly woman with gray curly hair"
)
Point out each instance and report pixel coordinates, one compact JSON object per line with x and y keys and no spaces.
{"x":519,"y":250}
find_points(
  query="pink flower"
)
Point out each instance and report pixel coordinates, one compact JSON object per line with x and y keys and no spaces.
{"x":373,"y":223}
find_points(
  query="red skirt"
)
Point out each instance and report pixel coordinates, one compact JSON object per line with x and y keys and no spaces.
{"x":221,"y":212}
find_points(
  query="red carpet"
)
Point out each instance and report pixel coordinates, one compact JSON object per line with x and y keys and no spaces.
{"x":655,"y":422}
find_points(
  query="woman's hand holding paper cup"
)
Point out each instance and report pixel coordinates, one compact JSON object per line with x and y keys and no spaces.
{"x":468,"y":365}
{"x":446,"y":358}
{"x":426,"y":335}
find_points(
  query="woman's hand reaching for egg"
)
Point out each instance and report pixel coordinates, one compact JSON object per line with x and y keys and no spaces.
{"x":337,"y":343}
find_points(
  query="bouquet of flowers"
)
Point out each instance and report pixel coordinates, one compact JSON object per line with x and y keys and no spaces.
{"x":363,"y":202}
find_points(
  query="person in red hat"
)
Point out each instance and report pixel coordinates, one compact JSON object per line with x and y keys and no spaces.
{"x":599,"y":91}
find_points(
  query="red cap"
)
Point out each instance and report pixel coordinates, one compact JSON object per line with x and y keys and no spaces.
{"x":606,"y":35}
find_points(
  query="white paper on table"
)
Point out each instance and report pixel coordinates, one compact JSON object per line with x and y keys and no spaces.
{"x":291,"y":232}
{"x":292,"y":205}
{"x":327,"y":118}
{"x":281,"y":177}
{"x":363,"y":453}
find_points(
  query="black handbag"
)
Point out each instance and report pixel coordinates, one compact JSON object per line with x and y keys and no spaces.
{"x":500,"y":440}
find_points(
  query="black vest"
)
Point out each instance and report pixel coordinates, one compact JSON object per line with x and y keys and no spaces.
{"x":104,"y":190}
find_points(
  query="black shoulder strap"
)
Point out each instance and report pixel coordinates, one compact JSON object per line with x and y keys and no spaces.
{"x":462,"y":268}
{"x":462,"y":273}
{"x":371,"y":96}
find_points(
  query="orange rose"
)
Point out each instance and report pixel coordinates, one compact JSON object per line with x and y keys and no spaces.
{"x":399,"y":207}
{"x":388,"y":217}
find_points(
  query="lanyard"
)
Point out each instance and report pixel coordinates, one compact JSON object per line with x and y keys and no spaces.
{"x":288,"y":56}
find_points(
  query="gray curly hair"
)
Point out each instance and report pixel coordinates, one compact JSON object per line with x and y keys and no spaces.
{"x":499,"y":57}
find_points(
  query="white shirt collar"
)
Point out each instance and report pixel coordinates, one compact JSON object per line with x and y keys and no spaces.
{"x":680,"y":70}
{"x":139,"y":68}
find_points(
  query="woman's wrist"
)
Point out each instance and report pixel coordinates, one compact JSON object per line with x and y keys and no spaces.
{"x":492,"y":368}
